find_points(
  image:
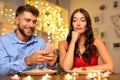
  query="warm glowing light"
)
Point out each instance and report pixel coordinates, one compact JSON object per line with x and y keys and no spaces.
{"x":29,"y":78}
{"x":51,"y":20}
{"x":15,"y":77}
{"x":68,"y":77}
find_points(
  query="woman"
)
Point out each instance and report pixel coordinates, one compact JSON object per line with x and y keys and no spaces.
{"x":81,"y":49}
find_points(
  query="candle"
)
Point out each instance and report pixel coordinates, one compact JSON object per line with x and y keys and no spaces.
{"x":94,"y":75}
{"x":106,"y":74}
{"x":15,"y":77}
{"x":28,"y":78}
{"x":44,"y":78}
{"x":48,"y":76}
{"x":68,"y":77}
{"x":90,"y":75}
{"x":75,"y":74}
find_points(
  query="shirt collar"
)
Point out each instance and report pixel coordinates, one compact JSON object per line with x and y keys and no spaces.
{"x":16,"y":40}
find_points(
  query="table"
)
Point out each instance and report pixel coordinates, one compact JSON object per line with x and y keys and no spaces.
{"x":60,"y":76}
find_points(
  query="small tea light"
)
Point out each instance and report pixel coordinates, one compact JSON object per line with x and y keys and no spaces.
{"x":75,"y":75}
{"x":95,"y":74}
{"x":48,"y":76}
{"x":90,"y":75}
{"x":44,"y":78}
{"x":68,"y":77}
{"x":15,"y":77}
{"x":28,"y":78}
{"x":106,"y":74}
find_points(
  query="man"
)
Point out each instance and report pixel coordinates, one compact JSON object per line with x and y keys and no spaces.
{"x":21,"y":50}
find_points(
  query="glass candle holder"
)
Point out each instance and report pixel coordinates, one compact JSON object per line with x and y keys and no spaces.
{"x":28,"y":78}
{"x":68,"y":77}
{"x":15,"y":77}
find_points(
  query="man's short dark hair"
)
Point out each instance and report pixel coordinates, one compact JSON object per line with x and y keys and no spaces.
{"x":27,"y":8}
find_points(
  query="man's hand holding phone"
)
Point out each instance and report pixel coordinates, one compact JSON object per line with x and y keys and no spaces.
{"x":51,"y":57}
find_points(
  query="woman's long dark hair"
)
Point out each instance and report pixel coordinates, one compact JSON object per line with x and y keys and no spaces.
{"x":89,"y":46}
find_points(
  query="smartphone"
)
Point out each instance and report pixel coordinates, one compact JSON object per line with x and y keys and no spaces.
{"x":50,"y":47}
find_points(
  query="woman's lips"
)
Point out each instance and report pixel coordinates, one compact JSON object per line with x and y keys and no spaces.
{"x":78,"y":28}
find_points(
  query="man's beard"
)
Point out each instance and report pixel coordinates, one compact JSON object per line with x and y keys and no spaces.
{"x":22,"y":31}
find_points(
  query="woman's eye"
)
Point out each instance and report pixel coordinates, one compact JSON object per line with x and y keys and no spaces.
{"x":83,"y":20}
{"x":74,"y":20}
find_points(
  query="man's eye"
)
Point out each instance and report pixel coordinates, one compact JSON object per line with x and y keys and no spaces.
{"x":27,"y":20}
{"x":34,"y":22}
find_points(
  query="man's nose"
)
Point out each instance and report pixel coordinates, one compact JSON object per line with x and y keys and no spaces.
{"x":31,"y":24}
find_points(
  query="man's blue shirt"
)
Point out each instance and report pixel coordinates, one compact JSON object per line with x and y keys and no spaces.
{"x":13,"y":51}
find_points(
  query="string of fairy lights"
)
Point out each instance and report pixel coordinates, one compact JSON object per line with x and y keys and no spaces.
{"x":7,"y":18}
{"x":50,"y":21}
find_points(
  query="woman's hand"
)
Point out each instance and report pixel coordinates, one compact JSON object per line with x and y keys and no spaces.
{"x":75,"y":36}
